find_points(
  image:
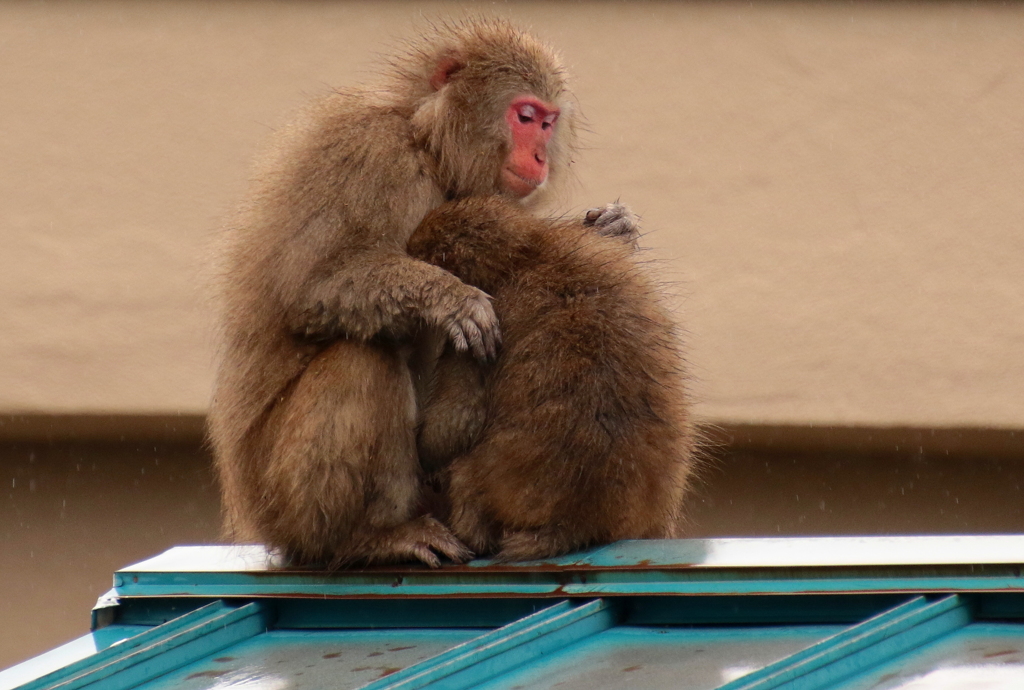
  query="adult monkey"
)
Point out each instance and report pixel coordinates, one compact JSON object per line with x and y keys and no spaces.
{"x":314,"y":413}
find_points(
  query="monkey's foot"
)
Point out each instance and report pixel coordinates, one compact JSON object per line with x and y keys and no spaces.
{"x":614,"y":220}
{"x":420,"y":539}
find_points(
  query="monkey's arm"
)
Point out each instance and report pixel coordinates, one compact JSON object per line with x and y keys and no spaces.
{"x":375,"y":293}
{"x":338,"y":205}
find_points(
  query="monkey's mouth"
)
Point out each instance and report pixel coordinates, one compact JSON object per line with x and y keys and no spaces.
{"x":519,"y":185}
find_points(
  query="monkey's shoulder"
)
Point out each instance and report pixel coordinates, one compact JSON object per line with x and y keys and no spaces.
{"x":571,"y":267}
{"x":574,"y":249}
{"x":354,"y":134}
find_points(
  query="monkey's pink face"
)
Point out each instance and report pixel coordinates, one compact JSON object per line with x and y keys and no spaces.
{"x":532,"y":122}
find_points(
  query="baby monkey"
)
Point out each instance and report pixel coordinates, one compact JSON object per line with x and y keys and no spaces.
{"x":580,"y":433}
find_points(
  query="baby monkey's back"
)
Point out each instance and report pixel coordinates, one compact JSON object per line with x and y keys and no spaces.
{"x":584,"y":433}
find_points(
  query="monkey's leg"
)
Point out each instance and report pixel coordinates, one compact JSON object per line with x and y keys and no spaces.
{"x":452,"y":411}
{"x":509,"y":498}
{"x":342,"y":481}
{"x":467,"y":518}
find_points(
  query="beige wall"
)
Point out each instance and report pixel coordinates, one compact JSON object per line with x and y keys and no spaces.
{"x":838,"y":187}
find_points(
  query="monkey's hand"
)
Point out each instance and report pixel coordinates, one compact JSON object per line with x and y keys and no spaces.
{"x":614,"y":220}
{"x":470,"y":322}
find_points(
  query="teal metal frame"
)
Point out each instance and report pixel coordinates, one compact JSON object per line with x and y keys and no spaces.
{"x":880,"y":600}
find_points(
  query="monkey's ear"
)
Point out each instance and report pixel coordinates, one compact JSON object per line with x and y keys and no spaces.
{"x":445,"y":70}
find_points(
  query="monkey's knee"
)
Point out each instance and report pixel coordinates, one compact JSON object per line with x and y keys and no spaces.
{"x":358,"y":400}
{"x":341,"y":453}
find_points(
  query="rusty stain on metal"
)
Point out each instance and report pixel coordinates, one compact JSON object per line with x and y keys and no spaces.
{"x":560,"y":592}
{"x":208,"y":674}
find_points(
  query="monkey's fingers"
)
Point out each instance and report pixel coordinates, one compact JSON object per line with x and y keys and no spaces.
{"x":614,"y":220}
{"x":458,"y":338}
{"x":423,"y":553}
{"x":467,"y":336}
{"x":608,"y":214}
{"x":474,"y":326}
{"x":492,"y":341}
{"x":475,"y":339}
{"x":431,"y":536}
{"x":454,"y":549}
{"x":489,"y":342}
{"x":485,"y":323}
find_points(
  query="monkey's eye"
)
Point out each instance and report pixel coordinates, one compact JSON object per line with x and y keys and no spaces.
{"x":549,"y":121}
{"x":527,"y":113}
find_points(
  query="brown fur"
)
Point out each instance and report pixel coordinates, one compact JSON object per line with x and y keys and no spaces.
{"x":314,"y":412}
{"x":584,"y":435}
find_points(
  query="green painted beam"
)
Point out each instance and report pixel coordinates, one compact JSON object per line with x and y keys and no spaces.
{"x":503,"y":649}
{"x":164,"y":648}
{"x":860,"y":647}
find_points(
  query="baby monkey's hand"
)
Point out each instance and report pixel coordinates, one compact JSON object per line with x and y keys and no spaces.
{"x":614,"y":220}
